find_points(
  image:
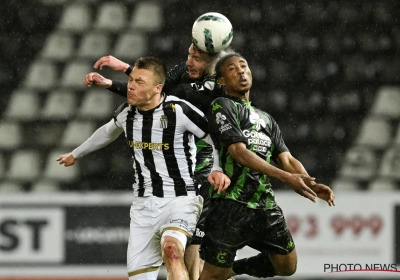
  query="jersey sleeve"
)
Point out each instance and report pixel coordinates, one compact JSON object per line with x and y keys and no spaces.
{"x":119,"y":87}
{"x":174,"y":76}
{"x":277,"y":140}
{"x":223,"y":122}
{"x":195,"y":120}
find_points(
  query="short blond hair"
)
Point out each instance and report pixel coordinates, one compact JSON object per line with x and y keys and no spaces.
{"x":153,"y":64}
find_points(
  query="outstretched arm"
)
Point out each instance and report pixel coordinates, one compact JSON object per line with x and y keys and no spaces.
{"x":99,"y":139}
{"x":292,"y":165}
{"x":247,"y":158}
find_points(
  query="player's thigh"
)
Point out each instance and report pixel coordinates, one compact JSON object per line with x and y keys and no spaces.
{"x":273,"y":236}
{"x":276,"y":241}
{"x":144,"y":249}
{"x":182,"y":214}
{"x":227,"y":230}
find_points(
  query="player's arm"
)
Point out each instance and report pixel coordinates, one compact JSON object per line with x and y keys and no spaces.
{"x":217,"y":178}
{"x":289,"y":163}
{"x":224,"y":125}
{"x":99,"y":139}
{"x":196,"y":122}
{"x":247,"y":158}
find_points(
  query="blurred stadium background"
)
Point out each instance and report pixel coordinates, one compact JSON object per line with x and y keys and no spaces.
{"x":327,"y":71}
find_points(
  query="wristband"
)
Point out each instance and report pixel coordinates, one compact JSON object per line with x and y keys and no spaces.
{"x":129,"y":70}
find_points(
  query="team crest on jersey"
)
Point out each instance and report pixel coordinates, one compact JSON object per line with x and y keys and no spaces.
{"x":164,"y":121}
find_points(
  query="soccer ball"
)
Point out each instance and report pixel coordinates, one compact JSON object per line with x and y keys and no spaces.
{"x":212,"y":32}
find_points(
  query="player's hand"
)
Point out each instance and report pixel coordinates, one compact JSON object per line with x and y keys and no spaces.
{"x":298,"y":183}
{"x":324,"y":192}
{"x":66,"y":159}
{"x":97,"y":80}
{"x":219,"y":180}
{"x":112,"y":62}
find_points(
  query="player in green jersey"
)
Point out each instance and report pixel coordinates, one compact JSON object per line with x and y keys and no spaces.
{"x":246,"y":213}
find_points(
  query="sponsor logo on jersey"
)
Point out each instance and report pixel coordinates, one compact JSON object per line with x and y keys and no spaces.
{"x":180,"y":223}
{"x":199,"y":233}
{"x":259,"y":140}
{"x":219,"y":118}
{"x":254,"y":118}
{"x":148,"y":145}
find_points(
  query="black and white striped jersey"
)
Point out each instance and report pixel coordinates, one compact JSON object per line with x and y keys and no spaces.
{"x":162,"y":145}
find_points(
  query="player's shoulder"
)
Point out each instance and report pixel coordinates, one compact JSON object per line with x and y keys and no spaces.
{"x":121,"y":108}
{"x":222,"y":100}
{"x":180,"y":66}
{"x":176,"y":101}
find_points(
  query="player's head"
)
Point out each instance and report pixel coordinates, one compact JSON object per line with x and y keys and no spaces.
{"x":198,"y":62}
{"x":233,"y":72}
{"x":145,"y":82}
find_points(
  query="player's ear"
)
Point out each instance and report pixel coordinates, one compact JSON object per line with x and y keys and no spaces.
{"x":221,"y":81}
{"x":159,"y":88}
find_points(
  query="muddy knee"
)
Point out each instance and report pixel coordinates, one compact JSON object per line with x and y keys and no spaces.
{"x":173,"y":244}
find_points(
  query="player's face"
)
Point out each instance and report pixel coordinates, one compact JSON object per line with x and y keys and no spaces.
{"x":143,"y":89}
{"x":197,"y":63}
{"x":236,"y":76}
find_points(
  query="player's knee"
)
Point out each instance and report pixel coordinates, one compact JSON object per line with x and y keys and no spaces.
{"x":172,"y":252}
{"x":287,"y":270}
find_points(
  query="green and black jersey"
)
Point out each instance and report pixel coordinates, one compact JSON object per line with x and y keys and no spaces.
{"x":233,"y":120}
{"x":198,"y":92}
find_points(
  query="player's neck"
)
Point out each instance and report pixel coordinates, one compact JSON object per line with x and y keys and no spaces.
{"x":153,"y":102}
{"x":242,"y":95}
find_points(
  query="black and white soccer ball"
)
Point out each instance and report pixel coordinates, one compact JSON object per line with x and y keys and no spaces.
{"x":212,"y":32}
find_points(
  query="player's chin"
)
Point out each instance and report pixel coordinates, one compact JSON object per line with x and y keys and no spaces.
{"x":194,"y":75}
{"x":132,"y":101}
{"x":243,"y":87}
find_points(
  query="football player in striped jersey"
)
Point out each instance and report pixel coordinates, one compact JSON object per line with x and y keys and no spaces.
{"x":160,"y":131}
{"x":191,"y":80}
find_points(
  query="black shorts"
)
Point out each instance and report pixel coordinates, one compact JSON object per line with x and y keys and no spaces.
{"x":204,"y":191}
{"x":231,"y":225}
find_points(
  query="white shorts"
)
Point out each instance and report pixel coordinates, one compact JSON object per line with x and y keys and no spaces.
{"x":150,"y":217}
